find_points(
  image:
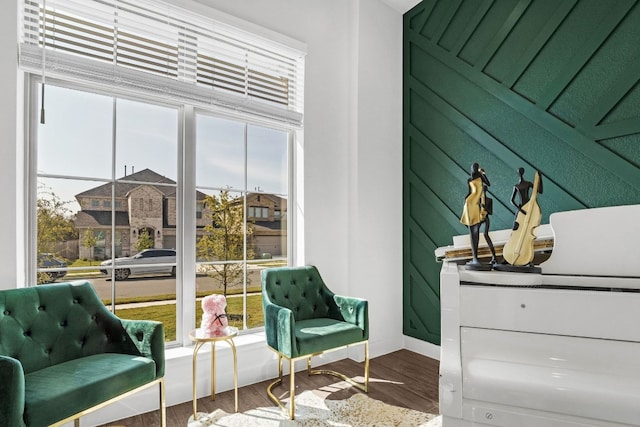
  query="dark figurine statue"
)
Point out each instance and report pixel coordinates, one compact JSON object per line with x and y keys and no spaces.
{"x":476,"y":210}
{"x":522,"y":190}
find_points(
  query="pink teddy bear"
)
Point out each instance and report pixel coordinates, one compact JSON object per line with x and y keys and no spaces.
{"x":214,"y":319}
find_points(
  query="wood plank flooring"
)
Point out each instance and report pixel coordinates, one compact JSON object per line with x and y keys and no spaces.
{"x":402,"y":378}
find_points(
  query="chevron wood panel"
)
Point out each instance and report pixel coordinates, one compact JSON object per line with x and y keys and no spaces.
{"x":545,"y":85}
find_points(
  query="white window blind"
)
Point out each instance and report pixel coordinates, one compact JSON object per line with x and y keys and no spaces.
{"x":153,"y":46}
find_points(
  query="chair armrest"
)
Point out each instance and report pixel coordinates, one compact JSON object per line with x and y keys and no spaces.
{"x":148,"y":336}
{"x":11,"y":392}
{"x":354,"y":311}
{"x":280,"y":333}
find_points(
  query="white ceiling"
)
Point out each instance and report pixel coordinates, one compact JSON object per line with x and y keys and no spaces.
{"x":401,"y":5}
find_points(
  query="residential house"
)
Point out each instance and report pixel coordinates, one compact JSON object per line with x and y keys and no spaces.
{"x":145,"y":202}
{"x":268,"y":214}
{"x":145,"y":207}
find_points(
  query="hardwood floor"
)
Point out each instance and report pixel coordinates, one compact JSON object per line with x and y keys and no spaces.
{"x":402,"y":378}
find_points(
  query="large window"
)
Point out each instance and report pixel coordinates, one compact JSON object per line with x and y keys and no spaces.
{"x":162,"y":171}
{"x":109,"y":200}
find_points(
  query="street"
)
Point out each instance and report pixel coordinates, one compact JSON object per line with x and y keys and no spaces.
{"x":149,"y":286}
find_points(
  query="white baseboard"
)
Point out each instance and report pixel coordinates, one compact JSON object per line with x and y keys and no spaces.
{"x":421,"y":347}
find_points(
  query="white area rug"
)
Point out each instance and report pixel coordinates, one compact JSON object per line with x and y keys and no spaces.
{"x":311,"y":410}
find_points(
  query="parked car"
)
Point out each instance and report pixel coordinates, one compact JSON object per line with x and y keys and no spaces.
{"x":49,"y":260}
{"x":148,"y":261}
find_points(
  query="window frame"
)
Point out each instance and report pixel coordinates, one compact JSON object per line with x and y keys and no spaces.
{"x":186,"y":209}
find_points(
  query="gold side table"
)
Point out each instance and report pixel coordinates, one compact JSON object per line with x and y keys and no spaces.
{"x":200,"y":338}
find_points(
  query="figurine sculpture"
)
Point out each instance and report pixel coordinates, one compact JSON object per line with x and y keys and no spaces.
{"x":519,"y":249}
{"x":476,"y":210}
{"x":487,"y":203}
{"x":214,"y":318}
{"x":522,"y":191}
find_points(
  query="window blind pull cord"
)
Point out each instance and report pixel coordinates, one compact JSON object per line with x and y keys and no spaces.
{"x":42,"y":102}
{"x":44,"y":48}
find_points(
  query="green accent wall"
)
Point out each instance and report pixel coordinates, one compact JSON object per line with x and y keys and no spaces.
{"x":551,"y":85}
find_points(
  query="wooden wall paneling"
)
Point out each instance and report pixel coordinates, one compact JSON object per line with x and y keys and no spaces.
{"x":515,"y":56}
{"x":467,"y":24}
{"x":551,"y":86}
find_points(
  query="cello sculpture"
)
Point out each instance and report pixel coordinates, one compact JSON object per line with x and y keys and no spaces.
{"x":518,"y":251}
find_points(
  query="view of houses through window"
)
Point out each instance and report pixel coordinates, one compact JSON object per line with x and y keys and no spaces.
{"x":110,"y":203}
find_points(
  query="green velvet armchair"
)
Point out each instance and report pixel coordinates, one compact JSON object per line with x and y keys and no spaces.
{"x":63,"y":354}
{"x":303,"y":318}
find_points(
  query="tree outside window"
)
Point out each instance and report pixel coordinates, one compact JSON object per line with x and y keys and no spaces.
{"x":89,"y":241}
{"x":223,"y":239}
{"x":145,"y":240}
{"x":54,"y":224}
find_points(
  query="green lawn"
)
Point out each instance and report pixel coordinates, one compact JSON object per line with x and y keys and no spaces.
{"x":166,"y":313}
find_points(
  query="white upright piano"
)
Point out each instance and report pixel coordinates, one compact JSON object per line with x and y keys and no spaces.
{"x":556,"y":349}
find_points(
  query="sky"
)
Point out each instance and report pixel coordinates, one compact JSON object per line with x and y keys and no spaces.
{"x":77,"y":142}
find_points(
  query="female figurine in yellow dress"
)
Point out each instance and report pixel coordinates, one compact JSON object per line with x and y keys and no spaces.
{"x":476,"y":210}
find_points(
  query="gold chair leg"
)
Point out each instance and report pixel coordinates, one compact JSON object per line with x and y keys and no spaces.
{"x":366,"y":366}
{"x":275,"y":384}
{"x":360,"y":386}
{"x":76,"y":422}
{"x":292,"y":390}
{"x":163,"y":405}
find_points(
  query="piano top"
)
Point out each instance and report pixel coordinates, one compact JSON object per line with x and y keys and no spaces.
{"x":533,"y":280}
{"x":586,"y":246}
{"x":596,"y":242}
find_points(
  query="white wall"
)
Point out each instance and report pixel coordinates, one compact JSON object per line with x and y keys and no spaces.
{"x":352,"y":145}
{"x":352,"y":167}
{"x":376,"y":186}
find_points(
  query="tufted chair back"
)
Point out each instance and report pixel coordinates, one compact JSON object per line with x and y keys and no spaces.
{"x":301,"y":290}
{"x":49,"y":324}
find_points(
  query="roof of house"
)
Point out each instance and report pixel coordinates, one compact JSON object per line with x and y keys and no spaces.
{"x":144,"y":177}
{"x":277,"y":200}
{"x":85,"y":219}
{"x":271,"y":225}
